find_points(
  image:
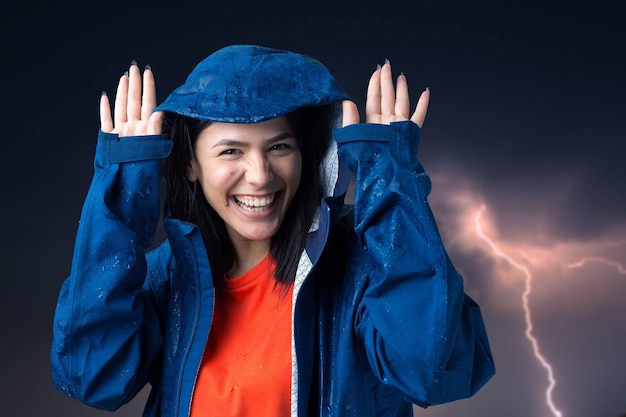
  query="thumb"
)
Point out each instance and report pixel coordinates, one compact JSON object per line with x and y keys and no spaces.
{"x":419,"y":115}
{"x":155,"y":123}
{"x":350,"y":113}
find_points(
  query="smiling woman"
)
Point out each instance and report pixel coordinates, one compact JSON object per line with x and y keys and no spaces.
{"x":257,"y":170}
{"x":271,"y":295}
{"x":308,"y":133}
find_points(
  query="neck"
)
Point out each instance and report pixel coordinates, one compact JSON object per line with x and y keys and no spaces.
{"x":248,"y":255}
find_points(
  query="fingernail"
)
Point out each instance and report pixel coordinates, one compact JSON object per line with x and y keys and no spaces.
{"x":387,"y":61}
{"x":378,"y":67}
{"x":104,"y":93}
{"x":147,"y":67}
{"x":428,"y":89}
{"x":133,"y":62}
{"x":126,"y":73}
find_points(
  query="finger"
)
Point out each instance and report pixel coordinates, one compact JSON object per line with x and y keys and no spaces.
{"x":106,"y":123}
{"x":350,"y":114}
{"x":372,"y":102}
{"x":155,"y":123}
{"x":403,"y":104}
{"x":121,"y":101}
{"x":149,"y":94}
{"x":419,"y":115}
{"x":134,"y":92}
{"x":387,"y":93}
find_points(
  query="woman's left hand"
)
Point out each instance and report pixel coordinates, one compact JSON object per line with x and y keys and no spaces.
{"x":384,"y":104}
{"x":135,"y":101}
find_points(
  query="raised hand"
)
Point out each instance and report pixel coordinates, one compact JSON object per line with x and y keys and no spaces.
{"x":384,"y":104}
{"x":135,"y":101}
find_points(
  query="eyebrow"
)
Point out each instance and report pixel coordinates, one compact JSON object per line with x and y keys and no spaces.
{"x":241,"y":144}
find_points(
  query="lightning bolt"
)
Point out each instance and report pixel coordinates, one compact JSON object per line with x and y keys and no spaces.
{"x":527,"y":314}
{"x":620,"y":268}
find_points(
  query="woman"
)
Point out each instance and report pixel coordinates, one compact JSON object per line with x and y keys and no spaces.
{"x":270,"y":295}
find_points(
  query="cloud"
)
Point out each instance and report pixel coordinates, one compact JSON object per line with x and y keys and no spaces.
{"x":574,"y":289}
{"x":529,"y":236}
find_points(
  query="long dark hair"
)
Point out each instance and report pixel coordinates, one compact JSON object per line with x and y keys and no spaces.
{"x":312,"y":128}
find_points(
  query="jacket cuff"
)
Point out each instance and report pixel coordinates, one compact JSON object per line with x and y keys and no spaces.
{"x":133,"y":148}
{"x":401,"y":136}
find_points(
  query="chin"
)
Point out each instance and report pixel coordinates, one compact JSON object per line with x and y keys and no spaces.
{"x":258,"y":236}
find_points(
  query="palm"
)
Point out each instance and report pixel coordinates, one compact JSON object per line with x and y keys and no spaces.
{"x":135,"y":101}
{"x":386,"y":104}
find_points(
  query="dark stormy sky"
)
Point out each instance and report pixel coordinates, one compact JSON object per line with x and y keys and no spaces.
{"x":525,"y":142}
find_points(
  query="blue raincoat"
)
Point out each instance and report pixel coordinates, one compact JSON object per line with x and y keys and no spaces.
{"x":380,"y":320}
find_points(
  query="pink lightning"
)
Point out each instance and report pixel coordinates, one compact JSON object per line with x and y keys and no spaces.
{"x":620,"y":268}
{"x":525,"y":296}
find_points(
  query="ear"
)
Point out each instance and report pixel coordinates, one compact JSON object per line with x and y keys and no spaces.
{"x":192,"y":171}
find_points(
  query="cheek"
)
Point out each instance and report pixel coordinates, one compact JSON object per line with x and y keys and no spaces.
{"x":291,"y":174}
{"x":216,"y":182}
{"x":218,"y":176}
{"x":294,"y":168}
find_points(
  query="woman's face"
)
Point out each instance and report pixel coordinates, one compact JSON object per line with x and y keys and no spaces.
{"x":249,"y":174}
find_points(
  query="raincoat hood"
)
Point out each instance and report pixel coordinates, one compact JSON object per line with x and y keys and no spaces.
{"x":250,"y":84}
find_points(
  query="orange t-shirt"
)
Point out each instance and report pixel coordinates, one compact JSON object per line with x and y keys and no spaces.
{"x":246,"y":367}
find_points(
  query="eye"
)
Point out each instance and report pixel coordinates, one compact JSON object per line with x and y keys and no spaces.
{"x":284,"y":147}
{"x":281,"y":147}
{"x":230,"y":152}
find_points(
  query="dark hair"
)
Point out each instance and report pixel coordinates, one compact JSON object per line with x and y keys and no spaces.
{"x":312,"y":128}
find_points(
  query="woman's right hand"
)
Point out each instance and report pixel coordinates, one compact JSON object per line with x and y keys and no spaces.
{"x":134,"y":105}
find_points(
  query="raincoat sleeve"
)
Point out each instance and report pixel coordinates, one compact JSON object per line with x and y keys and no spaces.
{"x":107,"y":332}
{"x":421,"y":333}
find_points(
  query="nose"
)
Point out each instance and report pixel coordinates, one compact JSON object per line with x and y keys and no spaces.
{"x":259,"y":170}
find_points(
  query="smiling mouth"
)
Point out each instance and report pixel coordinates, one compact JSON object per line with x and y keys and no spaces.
{"x":254,"y":203}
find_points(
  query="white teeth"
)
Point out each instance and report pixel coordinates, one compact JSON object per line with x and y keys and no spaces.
{"x":252,"y":203}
